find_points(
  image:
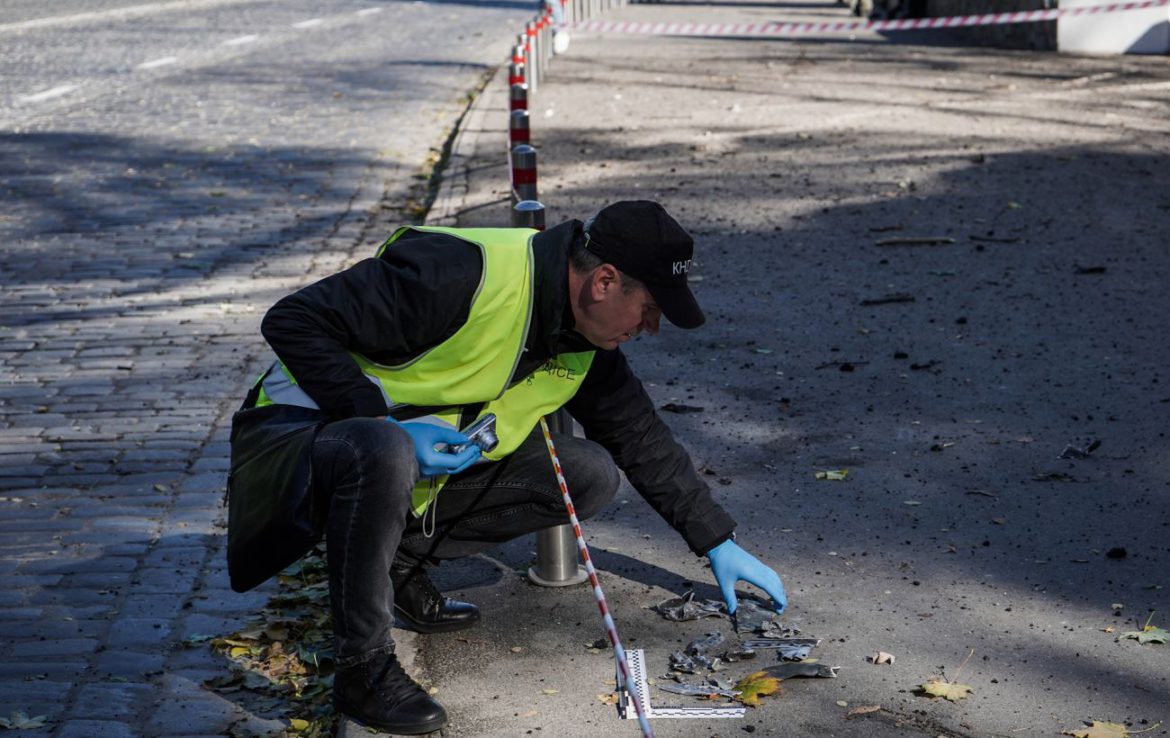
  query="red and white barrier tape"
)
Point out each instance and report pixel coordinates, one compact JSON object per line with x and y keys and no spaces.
{"x":906,"y":24}
{"x":623,"y":666}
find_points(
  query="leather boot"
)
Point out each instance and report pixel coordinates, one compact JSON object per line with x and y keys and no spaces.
{"x":378,"y":693}
{"x":420,"y":607}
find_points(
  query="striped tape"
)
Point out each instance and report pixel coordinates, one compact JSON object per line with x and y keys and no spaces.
{"x":623,"y":665}
{"x":772,"y":28}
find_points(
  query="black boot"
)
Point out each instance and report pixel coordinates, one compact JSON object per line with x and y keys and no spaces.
{"x":378,"y":693}
{"x":418,"y":606}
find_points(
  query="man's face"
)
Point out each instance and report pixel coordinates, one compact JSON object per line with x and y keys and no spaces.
{"x":616,"y":315}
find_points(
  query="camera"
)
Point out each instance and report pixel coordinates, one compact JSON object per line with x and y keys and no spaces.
{"x":482,"y":433}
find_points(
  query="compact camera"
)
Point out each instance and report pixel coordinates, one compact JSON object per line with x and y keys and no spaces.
{"x":482,"y":433}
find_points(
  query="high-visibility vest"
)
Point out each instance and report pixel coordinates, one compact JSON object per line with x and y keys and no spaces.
{"x":476,"y":364}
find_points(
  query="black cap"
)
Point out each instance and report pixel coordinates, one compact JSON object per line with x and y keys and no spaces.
{"x":641,"y":239}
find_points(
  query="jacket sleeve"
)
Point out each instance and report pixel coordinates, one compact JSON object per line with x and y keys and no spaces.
{"x":615,"y":411}
{"x":388,"y":309}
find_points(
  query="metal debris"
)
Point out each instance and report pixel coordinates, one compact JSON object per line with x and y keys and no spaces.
{"x":788,"y":649}
{"x":697,"y":690}
{"x":686,"y":607}
{"x":802,"y":669}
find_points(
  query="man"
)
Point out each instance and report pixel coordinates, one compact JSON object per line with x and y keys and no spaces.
{"x":381,"y":363}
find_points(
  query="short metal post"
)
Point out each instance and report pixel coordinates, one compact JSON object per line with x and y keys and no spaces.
{"x":519,"y":132}
{"x":518,"y":97}
{"x":515,"y":74}
{"x":533,"y":57}
{"x":528,"y":214}
{"x":556,"y":547}
{"x":523,"y":173}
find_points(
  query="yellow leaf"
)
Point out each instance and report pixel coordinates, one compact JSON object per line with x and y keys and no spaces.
{"x":754,"y":686}
{"x":238,"y":651}
{"x":608,"y":699}
{"x":550,"y":691}
{"x":1098,"y":729}
{"x":298,"y":724}
{"x":947,"y":690}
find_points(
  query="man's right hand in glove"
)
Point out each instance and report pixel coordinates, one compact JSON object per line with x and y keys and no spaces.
{"x":429,"y":439}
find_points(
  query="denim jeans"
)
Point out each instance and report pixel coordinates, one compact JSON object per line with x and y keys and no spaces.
{"x":367,"y":469}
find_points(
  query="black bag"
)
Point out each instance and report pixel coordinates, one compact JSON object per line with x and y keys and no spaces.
{"x":273,"y":516}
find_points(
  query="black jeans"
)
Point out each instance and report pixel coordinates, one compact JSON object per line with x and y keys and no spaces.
{"x":367,"y":469}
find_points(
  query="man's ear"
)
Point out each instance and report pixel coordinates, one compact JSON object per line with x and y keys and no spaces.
{"x":605,"y":279}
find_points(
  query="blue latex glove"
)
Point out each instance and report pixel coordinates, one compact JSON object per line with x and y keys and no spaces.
{"x":431,"y":444}
{"x":732,"y":564}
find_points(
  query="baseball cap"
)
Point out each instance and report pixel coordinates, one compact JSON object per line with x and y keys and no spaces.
{"x":640,"y":239}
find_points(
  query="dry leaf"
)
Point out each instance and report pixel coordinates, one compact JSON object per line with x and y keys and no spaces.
{"x":530,"y":714}
{"x":754,"y":686}
{"x":946,"y":690}
{"x":1098,"y":729}
{"x":21,"y":721}
{"x":833,"y":475}
{"x":881,"y":657}
{"x":1148,"y":634}
{"x":863,"y":709}
{"x":608,"y":699}
{"x":550,"y":691}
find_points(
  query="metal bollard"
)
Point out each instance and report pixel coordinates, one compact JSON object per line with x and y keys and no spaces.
{"x":533,"y":57}
{"x":515,"y":74}
{"x":556,"y":548}
{"x":528,"y":214}
{"x":519,"y":131}
{"x":518,"y":97}
{"x":523,"y":173}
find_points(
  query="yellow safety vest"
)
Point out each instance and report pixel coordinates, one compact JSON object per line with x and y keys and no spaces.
{"x":477,"y":363}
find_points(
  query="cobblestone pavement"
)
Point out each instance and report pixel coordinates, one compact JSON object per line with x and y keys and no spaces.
{"x":147,"y":224}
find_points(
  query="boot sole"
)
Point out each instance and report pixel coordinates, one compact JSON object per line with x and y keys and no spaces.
{"x":405,"y":622}
{"x":415,"y":729}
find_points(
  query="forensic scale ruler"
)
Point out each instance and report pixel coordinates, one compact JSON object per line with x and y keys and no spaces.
{"x":641,"y":692}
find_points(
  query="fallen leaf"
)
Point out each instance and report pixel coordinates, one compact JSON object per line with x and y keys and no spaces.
{"x":1148,"y":634}
{"x":754,"y":686}
{"x":530,"y":714}
{"x":298,"y":724}
{"x":1108,"y":629}
{"x":833,"y":475}
{"x":881,"y":657}
{"x":946,"y":690}
{"x":1098,"y":729}
{"x":517,"y":649}
{"x":550,"y":691}
{"x":21,"y":721}
{"x":608,"y":699}
{"x":862,"y":710}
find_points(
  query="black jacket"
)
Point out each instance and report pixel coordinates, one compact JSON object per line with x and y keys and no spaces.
{"x":418,"y":293}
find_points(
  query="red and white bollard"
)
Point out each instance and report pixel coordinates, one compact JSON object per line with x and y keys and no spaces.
{"x":519,"y":131}
{"x":518,"y":97}
{"x":523,"y":173}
